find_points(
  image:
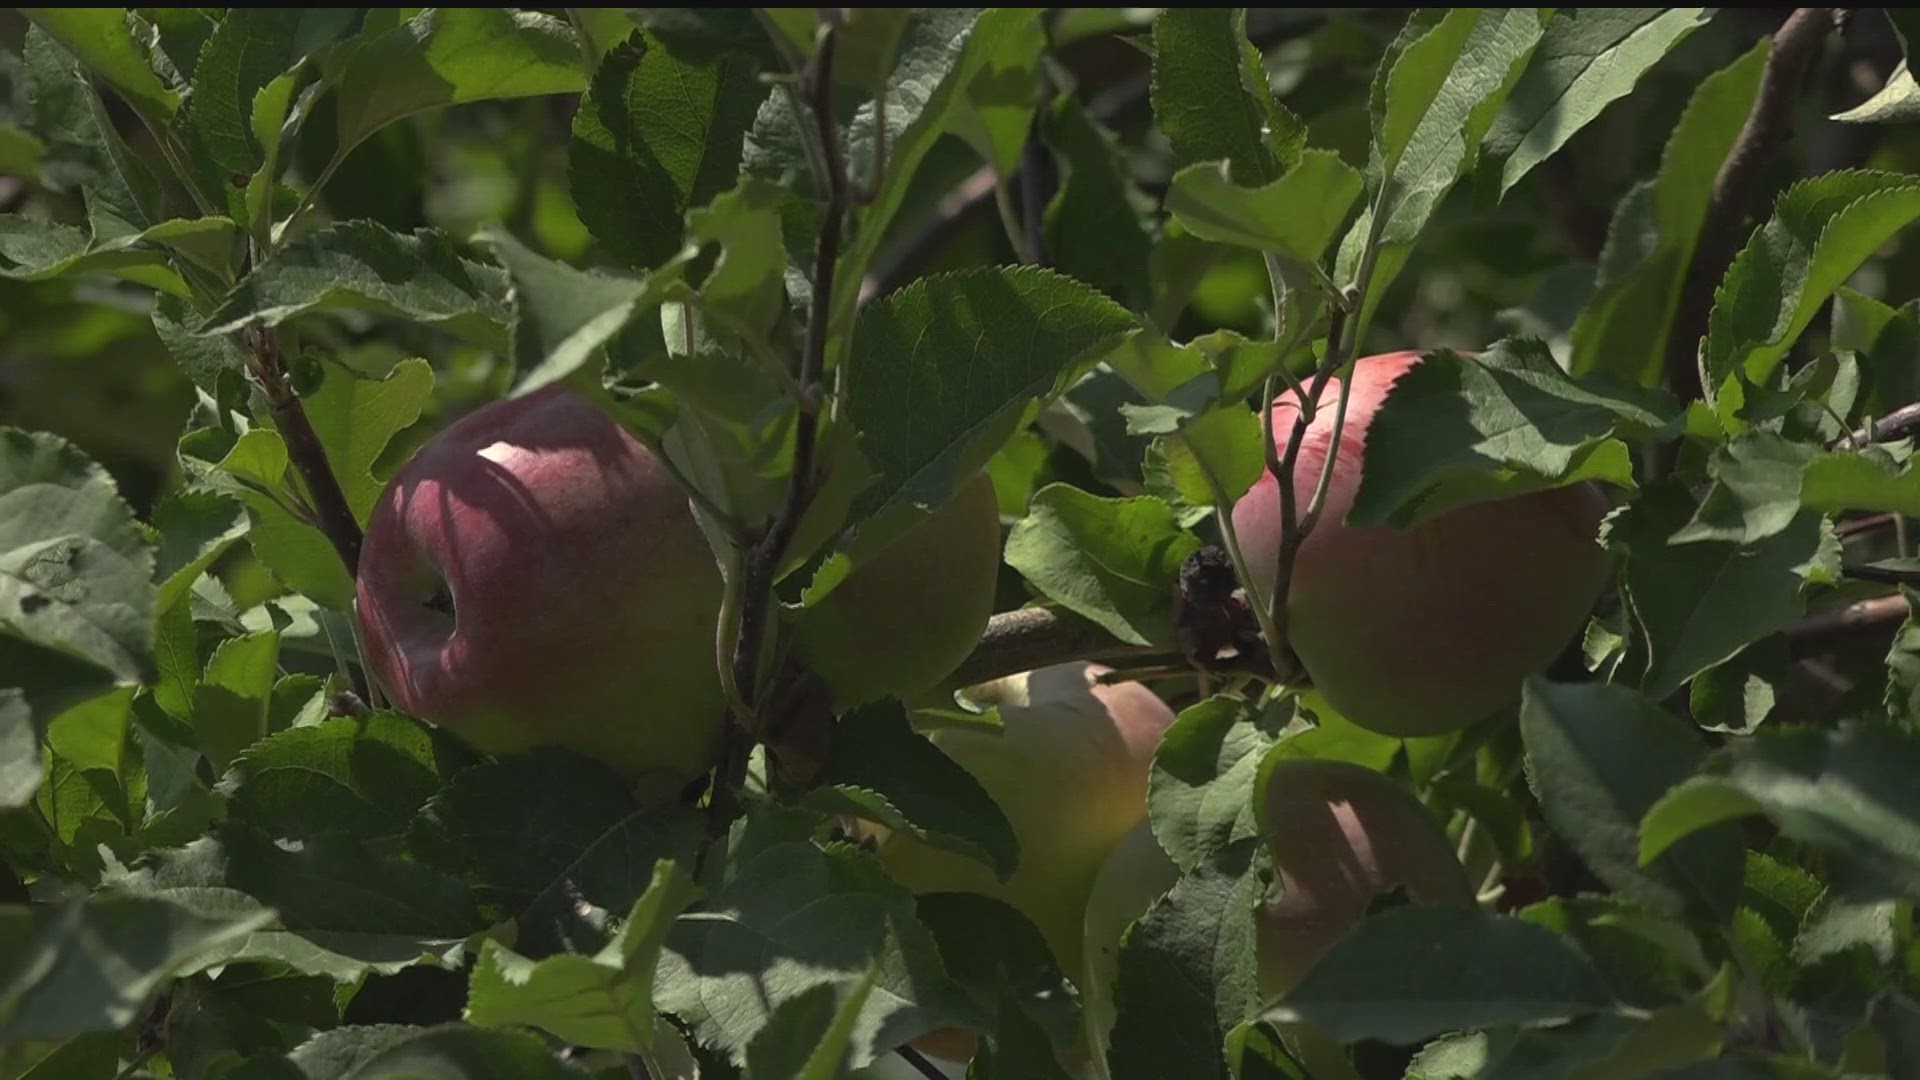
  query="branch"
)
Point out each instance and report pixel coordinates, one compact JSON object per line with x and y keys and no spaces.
{"x":331,"y":512}
{"x":1884,"y":575}
{"x":1740,"y":188}
{"x":762,"y":561}
{"x":1035,"y":637}
{"x":1824,"y":629}
{"x":1896,"y":425}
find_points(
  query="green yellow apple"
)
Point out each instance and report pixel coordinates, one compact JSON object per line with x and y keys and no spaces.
{"x":906,"y":618}
{"x":1068,"y":767}
{"x":1425,"y":630}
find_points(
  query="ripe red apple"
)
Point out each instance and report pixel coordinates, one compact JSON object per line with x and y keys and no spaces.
{"x":905,"y":619}
{"x":1341,"y":835}
{"x":533,"y":576}
{"x":1425,"y":630}
{"x":1069,"y":769}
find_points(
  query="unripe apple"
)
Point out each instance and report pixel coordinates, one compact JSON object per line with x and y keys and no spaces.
{"x":1425,"y":630}
{"x":906,"y":619}
{"x":1137,"y":872}
{"x":534,"y":576}
{"x":1069,"y":769}
{"x":1341,"y":835}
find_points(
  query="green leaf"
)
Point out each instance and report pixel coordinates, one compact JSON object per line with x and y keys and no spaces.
{"x":20,"y":766}
{"x":637,"y":168}
{"x":230,"y":704}
{"x":1821,"y":231}
{"x":1114,"y":561}
{"x":359,"y":265}
{"x":356,"y":417}
{"x":88,"y":965}
{"x":1509,"y":420}
{"x":452,"y":1051}
{"x":1476,"y":970}
{"x":1902,"y":695}
{"x":571,"y":912}
{"x":785,"y":915}
{"x":1623,"y":330}
{"x":946,"y":370}
{"x":562,"y":316}
{"x":357,"y":776}
{"x":1205,"y":772}
{"x":453,"y":56}
{"x":85,"y":150}
{"x":810,"y":1037}
{"x":1896,"y":102}
{"x":480,"y":824}
{"x":103,"y":40}
{"x":1597,"y":757}
{"x":999,"y":956}
{"x":1296,"y":216}
{"x":604,"y":1000}
{"x":882,"y":770}
{"x":1434,"y":96}
{"x":40,"y":250}
{"x":1187,"y":971}
{"x":196,"y":528}
{"x":1844,"y":792}
{"x":1211,"y":96}
{"x":999,"y":107}
{"x":939,"y":52}
{"x":1587,"y":59}
{"x":1699,"y":604}
{"x":1093,"y":227}
{"x":76,"y":573}
{"x":249,"y":50}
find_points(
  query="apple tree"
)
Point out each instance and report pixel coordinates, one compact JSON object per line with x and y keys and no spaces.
{"x":1116,"y":543}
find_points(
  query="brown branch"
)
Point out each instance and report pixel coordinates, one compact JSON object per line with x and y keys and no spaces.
{"x":1741,"y":187}
{"x":1883,"y":575}
{"x":331,"y":512}
{"x":1835,"y":626}
{"x":762,"y":561}
{"x":1896,"y":425}
{"x":1037,"y":637}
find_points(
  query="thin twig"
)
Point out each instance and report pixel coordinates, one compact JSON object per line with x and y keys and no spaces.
{"x":1740,"y":188}
{"x":1901,"y":423}
{"x":920,"y":1063}
{"x":762,"y":561}
{"x":1281,"y":464}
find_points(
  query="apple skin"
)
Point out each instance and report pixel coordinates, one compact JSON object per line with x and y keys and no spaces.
{"x":1137,"y":872}
{"x":584,"y":595}
{"x":1341,"y":834}
{"x":906,"y":619}
{"x":1069,"y":770}
{"x":1426,"y":630}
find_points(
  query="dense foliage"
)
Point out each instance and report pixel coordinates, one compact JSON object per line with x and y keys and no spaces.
{"x":824,"y":269}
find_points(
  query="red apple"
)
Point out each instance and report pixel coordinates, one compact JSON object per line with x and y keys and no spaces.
{"x":534,"y":576}
{"x":1425,"y":630}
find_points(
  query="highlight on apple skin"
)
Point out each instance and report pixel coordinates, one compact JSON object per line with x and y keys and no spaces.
{"x":1425,"y":630}
{"x":906,"y":619}
{"x":533,"y":576}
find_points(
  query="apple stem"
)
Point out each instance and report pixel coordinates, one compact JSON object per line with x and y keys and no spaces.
{"x":762,"y":560}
